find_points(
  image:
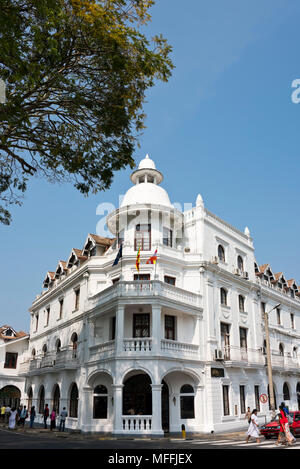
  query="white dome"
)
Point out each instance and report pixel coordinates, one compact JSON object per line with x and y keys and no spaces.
{"x":146,"y":193}
{"x":147,"y":163}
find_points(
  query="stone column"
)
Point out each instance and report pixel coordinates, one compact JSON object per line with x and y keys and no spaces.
{"x":118,"y":408}
{"x":156,"y":329}
{"x":119,"y":328}
{"x":85,"y":409}
{"x":156,"y":409}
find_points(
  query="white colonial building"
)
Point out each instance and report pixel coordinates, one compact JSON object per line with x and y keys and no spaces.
{"x":179,"y":342}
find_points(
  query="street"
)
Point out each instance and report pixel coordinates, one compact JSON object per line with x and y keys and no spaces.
{"x":40,"y":439}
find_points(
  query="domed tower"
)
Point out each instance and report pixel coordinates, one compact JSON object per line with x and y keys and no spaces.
{"x":146,"y":218}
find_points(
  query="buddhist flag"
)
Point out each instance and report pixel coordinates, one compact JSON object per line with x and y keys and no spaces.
{"x":137,"y":262}
{"x":152,"y":259}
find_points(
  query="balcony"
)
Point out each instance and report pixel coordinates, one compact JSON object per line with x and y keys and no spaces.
{"x":241,"y":356}
{"x":52,"y":361}
{"x":146,"y":289}
{"x":138,"y":347}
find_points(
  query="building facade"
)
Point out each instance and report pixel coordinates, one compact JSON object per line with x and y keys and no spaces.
{"x":181,"y":341}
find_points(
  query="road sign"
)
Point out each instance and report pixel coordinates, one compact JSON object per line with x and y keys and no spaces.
{"x":263,"y":398}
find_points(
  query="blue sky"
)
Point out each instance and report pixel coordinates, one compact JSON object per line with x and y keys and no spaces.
{"x":223,"y":126}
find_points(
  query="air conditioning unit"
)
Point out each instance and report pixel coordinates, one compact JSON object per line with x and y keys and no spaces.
{"x":219,"y":354}
{"x":245,"y":275}
{"x":215,"y":260}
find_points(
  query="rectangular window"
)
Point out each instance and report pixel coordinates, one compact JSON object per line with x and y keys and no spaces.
{"x":142,"y":237}
{"x":36,"y":322}
{"x":47,"y":315}
{"x":10,"y":360}
{"x":242,"y":399}
{"x":61,"y":307}
{"x":77,"y":297}
{"x":170,"y":280}
{"x":167,"y":237}
{"x":170,"y":327}
{"x":292,"y":321}
{"x":100,"y":407}
{"x":278,"y":316}
{"x":225,"y":340}
{"x":141,"y":325}
{"x":243,"y":338}
{"x":256,"y":394}
{"x":113,"y":328}
{"x":226,"y":400}
{"x":143,"y":277}
{"x":187,"y":409}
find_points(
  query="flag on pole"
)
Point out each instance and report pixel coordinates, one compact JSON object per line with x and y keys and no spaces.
{"x":119,"y":255}
{"x":137,"y":262}
{"x":152,"y":259}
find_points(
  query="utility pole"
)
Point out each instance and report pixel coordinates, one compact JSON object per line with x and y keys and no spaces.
{"x":269,"y":363}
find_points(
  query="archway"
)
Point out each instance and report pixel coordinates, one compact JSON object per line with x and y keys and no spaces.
{"x":73,"y":410}
{"x":10,"y":396}
{"x":56,"y":398}
{"x":29,"y":398}
{"x":137,"y":395}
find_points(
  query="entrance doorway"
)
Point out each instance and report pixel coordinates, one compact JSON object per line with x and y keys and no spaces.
{"x":137,"y":395}
{"x":165,"y":410}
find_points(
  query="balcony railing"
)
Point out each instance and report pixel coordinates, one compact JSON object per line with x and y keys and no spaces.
{"x":172,"y":346}
{"x":137,"y":345}
{"x":149,"y":288}
{"x":242,"y":354}
{"x":136,"y":423}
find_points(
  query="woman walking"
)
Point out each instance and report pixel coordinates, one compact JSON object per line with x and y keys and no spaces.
{"x":253,"y":427}
{"x":52,"y":419}
{"x":32,"y":416}
{"x":12,"y":419}
{"x":284,"y":426}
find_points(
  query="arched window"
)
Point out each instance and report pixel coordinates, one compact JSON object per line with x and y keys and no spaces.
{"x":286,"y":392}
{"x":33,"y":353}
{"x":41,"y":399}
{"x":241,"y":303}
{"x":221,"y":253}
{"x":73,"y":412}
{"x":281,"y":350}
{"x":74,"y":344}
{"x":295,"y":352}
{"x":240,"y":263}
{"x":44,"y":350}
{"x":223,"y":294}
{"x":187,"y":396}
{"x":56,"y":398}
{"x":100,"y":402}
{"x":58,"y":345}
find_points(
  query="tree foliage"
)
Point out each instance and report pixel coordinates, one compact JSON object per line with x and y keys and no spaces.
{"x":76,"y":73}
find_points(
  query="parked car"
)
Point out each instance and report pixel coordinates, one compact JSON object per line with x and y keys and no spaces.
{"x":272,"y":428}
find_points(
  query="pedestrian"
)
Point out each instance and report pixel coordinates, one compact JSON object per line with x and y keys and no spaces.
{"x":52,"y":419}
{"x":284,"y":424}
{"x":281,"y":435}
{"x":253,"y":427}
{"x":46,"y":415}
{"x":32,"y":416}
{"x":63,"y":416}
{"x":3,"y":413}
{"x":19,"y":410}
{"x":248,"y":415}
{"x":12,"y":419}
{"x":23,"y":416}
{"x":7,"y":414}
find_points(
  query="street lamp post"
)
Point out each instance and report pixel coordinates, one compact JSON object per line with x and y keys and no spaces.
{"x":269,"y":363}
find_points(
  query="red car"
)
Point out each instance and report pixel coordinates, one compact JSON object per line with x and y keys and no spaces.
{"x":272,"y":428}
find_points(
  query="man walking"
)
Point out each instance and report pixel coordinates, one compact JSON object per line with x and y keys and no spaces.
{"x":23,"y":416}
{"x":46,"y":415}
{"x":63,"y":416}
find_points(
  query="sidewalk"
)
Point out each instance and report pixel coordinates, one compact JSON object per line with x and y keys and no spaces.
{"x":76,"y":434}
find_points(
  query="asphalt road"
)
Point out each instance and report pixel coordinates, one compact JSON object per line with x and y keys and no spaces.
{"x":44,"y":440}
